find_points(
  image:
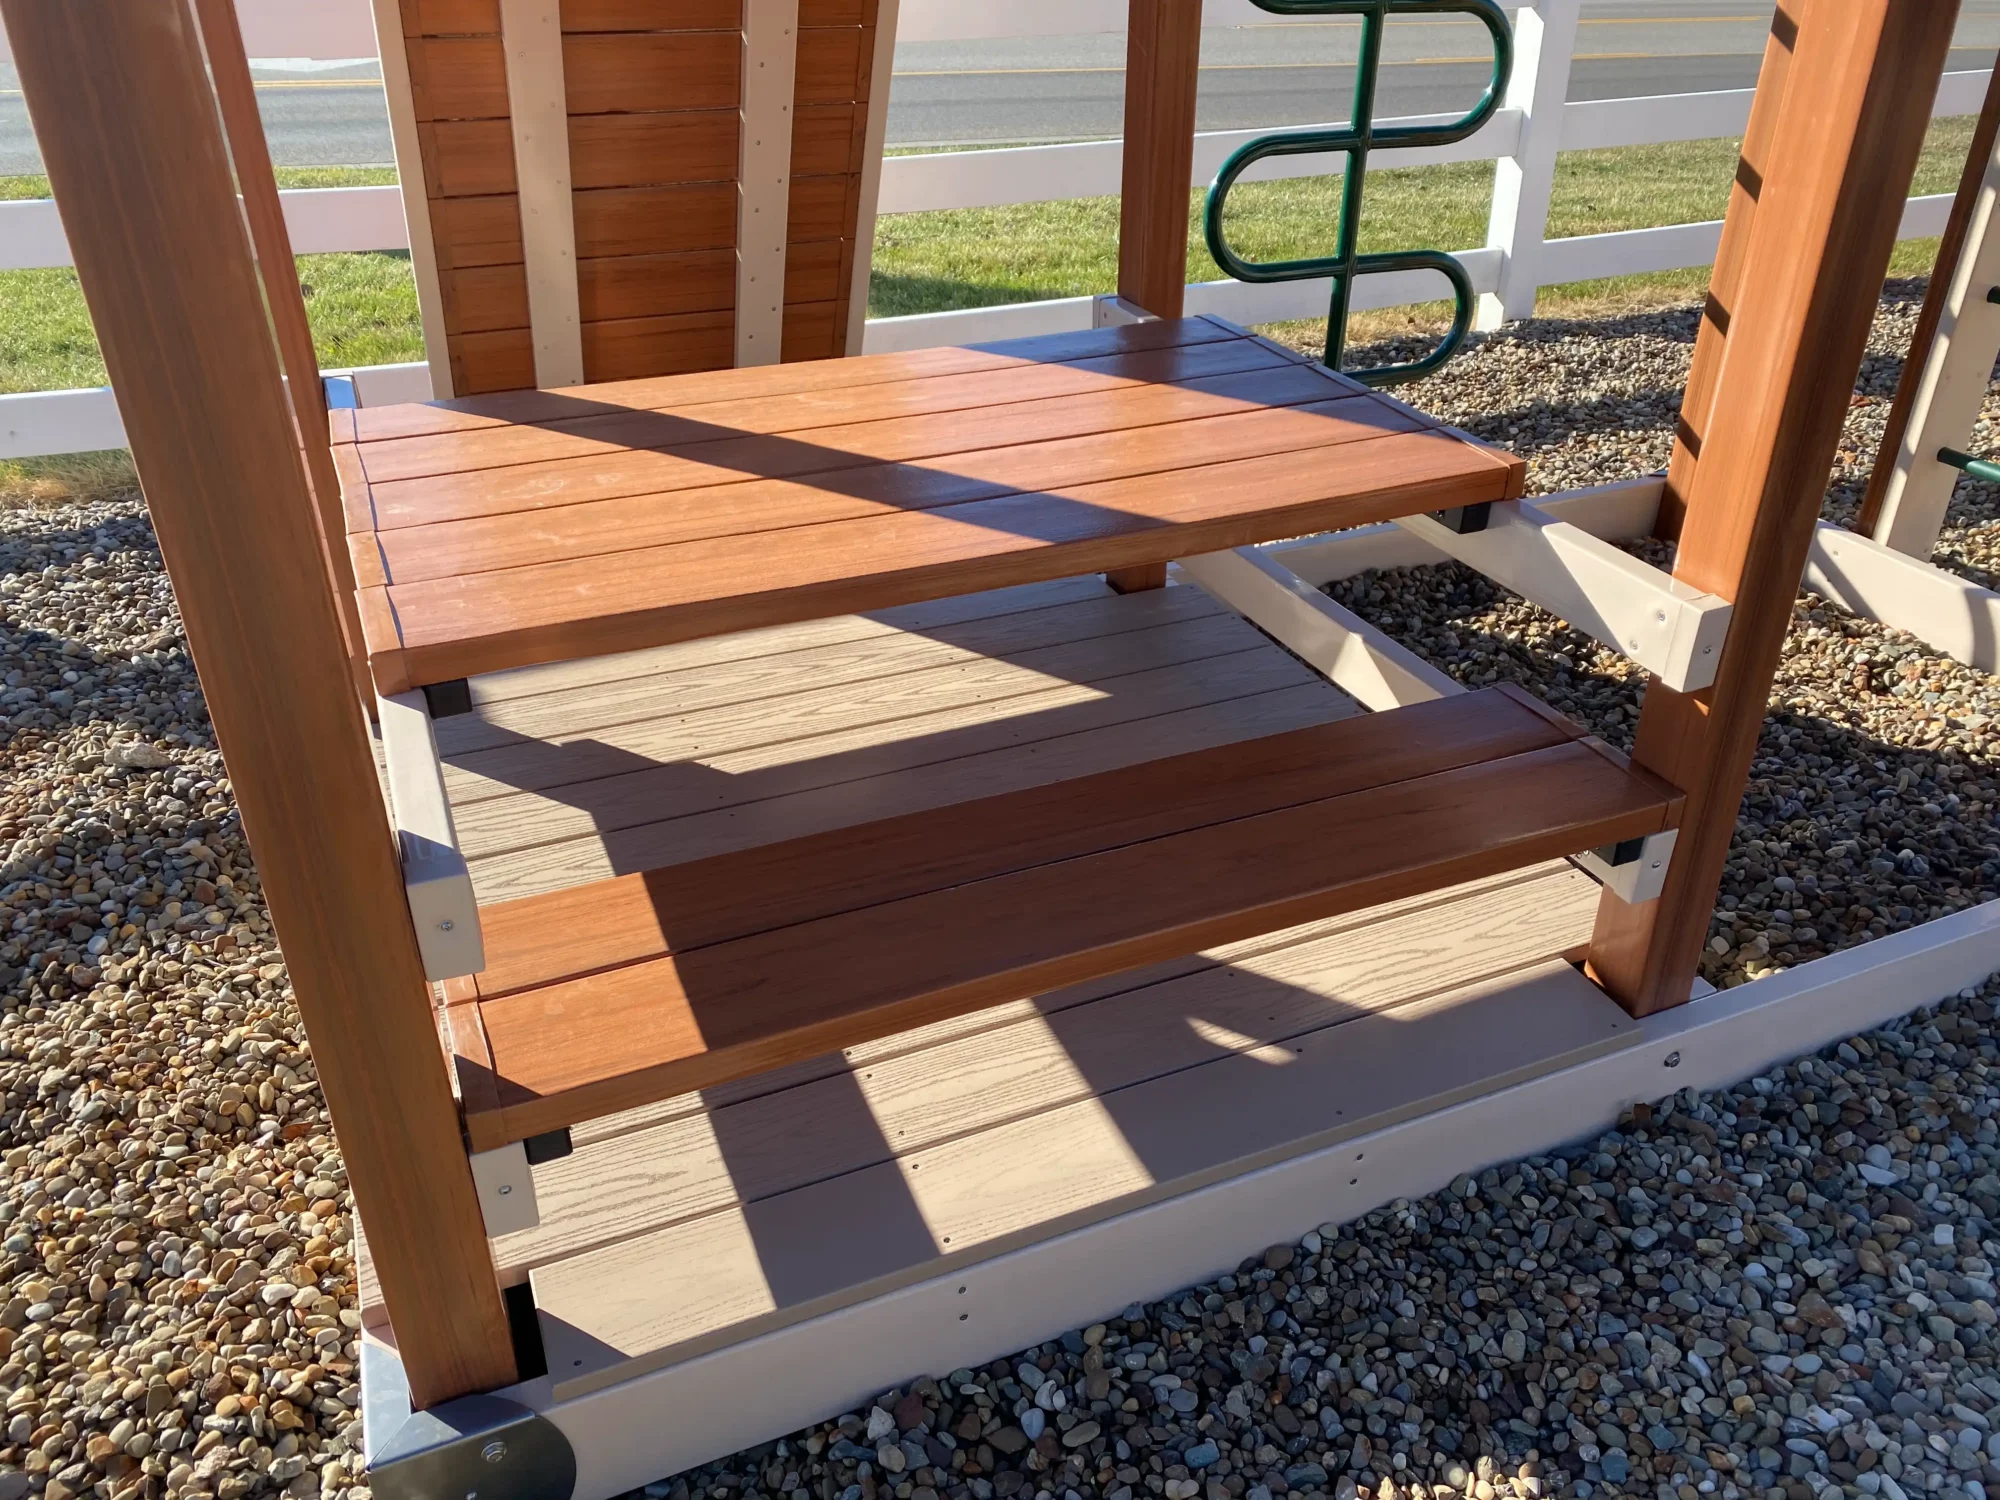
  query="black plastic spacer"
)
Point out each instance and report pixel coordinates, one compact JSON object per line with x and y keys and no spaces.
{"x":448,"y":699}
{"x":552,"y":1145}
{"x":1465,"y":519}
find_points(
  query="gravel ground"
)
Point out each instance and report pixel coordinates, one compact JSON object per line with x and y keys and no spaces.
{"x":1757,"y":1292}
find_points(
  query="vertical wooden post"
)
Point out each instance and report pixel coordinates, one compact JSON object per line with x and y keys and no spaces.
{"x":1162,"y":68}
{"x":1544,"y":41}
{"x":236,"y":94}
{"x":122,"y":108}
{"x":1946,"y":374}
{"x":1725,"y":279}
{"x":1162,"y":73}
{"x":1843,"y":149}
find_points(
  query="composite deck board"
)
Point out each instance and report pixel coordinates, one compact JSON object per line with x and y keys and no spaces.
{"x":1062,"y":443}
{"x":626,"y":751}
{"x":1358,"y":829}
{"x":590,"y":433}
{"x":680,"y":392}
{"x":657,"y":686}
{"x":659,"y":1297}
{"x":919,"y":1090}
{"x":576,"y":527}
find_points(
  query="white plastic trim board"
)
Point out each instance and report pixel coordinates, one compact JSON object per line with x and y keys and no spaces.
{"x":764,"y":176}
{"x":531,"y":32}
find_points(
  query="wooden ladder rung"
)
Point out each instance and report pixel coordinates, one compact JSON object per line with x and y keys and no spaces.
{"x":608,"y":996}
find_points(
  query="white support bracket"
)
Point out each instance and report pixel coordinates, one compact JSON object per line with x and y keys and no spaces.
{"x":1672,"y":630}
{"x":435,"y":880}
{"x":506,"y":1189}
{"x":764,"y":177}
{"x":1113,"y":311}
{"x":1633,"y":871}
{"x":1355,"y":657}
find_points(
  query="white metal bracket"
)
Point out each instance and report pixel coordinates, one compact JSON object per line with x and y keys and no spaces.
{"x":506,"y":1189}
{"x":1113,"y":311}
{"x":435,"y":880}
{"x":1633,"y":871}
{"x":1672,"y":630}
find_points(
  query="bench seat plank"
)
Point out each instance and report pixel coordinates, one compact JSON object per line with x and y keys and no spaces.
{"x":742,"y":962}
{"x":553,"y":525}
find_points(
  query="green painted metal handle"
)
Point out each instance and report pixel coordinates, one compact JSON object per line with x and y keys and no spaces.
{"x":1976,"y":468}
{"x":1355,"y":141}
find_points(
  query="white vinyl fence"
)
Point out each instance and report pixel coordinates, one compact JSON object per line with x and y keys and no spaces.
{"x":1522,"y":139}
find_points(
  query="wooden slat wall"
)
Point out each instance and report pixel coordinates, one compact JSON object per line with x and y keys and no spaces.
{"x":829,"y":139}
{"x":458,"y":86}
{"x":653,"y":87}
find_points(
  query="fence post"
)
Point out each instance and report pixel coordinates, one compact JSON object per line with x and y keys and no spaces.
{"x":1544,"y":40}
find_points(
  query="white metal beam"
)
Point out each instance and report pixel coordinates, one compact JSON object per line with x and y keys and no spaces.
{"x":882,"y":64}
{"x":435,"y":878}
{"x":401,"y":101}
{"x":1949,"y":613}
{"x":1672,"y":630}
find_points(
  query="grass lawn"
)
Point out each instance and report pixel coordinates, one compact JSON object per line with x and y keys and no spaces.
{"x":363,"y":306}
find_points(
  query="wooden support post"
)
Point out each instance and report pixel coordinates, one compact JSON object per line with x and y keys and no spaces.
{"x":1162,"y":67}
{"x":122,"y":108}
{"x":1725,"y":279}
{"x":1950,"y":364}
{"x":236,"y":94}
{"x":1162,"y":71}
{"x":1842,"y":151}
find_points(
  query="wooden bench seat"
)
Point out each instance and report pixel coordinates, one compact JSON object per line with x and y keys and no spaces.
{"x":606,"y":996}
{"x":498,"y":532}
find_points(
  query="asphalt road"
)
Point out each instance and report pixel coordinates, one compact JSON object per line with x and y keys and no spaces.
{"x":1072,"y":88}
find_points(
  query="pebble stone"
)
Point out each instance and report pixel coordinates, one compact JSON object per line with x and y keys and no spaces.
{"x":1766,"y":1291}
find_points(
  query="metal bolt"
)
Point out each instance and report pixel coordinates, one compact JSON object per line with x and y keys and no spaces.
{"x":1673,"y":1059}
{"x":445,"y":925}
{"x":494,"y":1451}
{"x":506,"y":1188}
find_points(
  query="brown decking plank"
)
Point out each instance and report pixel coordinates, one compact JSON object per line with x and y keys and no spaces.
{"x":625,"y":473}
{"x":617,"y":1039}
{"x":590,"y":430}
{"x":680,"y":392}
{"x":543,"y":939}
{"x":458,"y":627}
{"x":534,"y":538}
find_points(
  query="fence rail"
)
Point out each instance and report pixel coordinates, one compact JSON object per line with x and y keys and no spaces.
{"x":1520,"y":138}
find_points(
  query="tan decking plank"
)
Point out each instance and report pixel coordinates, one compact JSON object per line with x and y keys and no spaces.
{"x":634,"y":747}
{"x":666,"y":1295}
{"x":991,"y":748}
{"x":916,"y":1097}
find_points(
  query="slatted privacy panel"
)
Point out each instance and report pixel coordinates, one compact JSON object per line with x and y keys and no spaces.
{"x":653,"y":91}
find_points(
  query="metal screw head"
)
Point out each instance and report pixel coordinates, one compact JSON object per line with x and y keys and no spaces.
{"x":494,"y":1451}
{"x":1673,"y":1059}
{"x":445,"y":925}
{"x":506,"y":1188}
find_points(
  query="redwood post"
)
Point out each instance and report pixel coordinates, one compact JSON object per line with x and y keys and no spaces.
{"x":122,"y":107}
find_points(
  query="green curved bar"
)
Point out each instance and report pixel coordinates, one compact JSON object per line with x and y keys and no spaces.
{"x":1355,"y":141}
{"x":1975,"y":468}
